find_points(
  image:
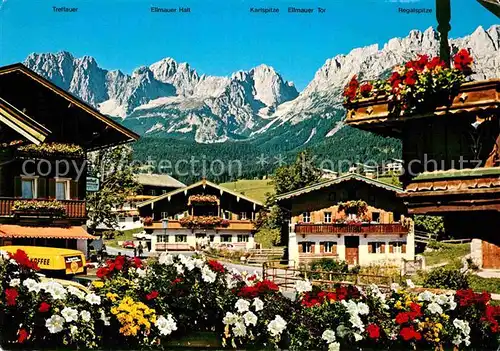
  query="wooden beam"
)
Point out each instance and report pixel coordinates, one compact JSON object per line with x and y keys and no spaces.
{"x":443,"y":16}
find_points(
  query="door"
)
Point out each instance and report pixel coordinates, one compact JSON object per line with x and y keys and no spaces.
{"x":491,"y":255}
{"x":352,"y":249}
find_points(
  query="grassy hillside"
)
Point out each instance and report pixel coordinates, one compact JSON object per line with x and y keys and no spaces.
{"x":253,"y":188}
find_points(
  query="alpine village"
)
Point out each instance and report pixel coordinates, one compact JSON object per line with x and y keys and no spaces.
{"x":99,"y":253}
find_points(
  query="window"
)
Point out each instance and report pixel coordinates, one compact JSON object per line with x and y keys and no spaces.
{"x":243,"y":215}
{"x":306,"y":246}
{"x":152,"y":192}
{"x":164,"y":191}
{"x":212,"y":238}
{"x":242,"y":238}
{"x":62,"y":189}
{"x":164,"y":215}
{"x":181,"y":238}
{"x":162,"y":239}
{"x":397,"y":217}
{"x":376,"y":247}
{"x":306,"y":217}
{"x":396,"y":247}
{"x":376,"y":217}
{"x":28,"y":187}
{"x":330,"y":246}
{"x":328,"y":217}
{"x":226,"y":238}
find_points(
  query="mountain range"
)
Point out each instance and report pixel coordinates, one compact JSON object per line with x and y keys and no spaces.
{"x":168,"y":99}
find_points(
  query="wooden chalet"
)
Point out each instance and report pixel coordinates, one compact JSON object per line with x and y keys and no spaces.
{"x":202,"y":212}
{"x":45,"y":134}
{"x":451,"y":159}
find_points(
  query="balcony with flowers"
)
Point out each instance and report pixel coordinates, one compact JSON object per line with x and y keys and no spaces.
{"x":70,"y":209}
{"x":50,"y":150}
{"x":354,"y":219}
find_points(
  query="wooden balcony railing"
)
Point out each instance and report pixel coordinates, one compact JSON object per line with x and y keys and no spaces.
{"x":74,"y":208}
{"x":175,"y":224}
{"x":336,"y":228}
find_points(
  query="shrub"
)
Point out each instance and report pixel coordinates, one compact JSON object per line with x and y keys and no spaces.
{"x":268,"y":237}
{"x":329,"y":265}
{"x":109,"y":235}
{"x":443,"y":278}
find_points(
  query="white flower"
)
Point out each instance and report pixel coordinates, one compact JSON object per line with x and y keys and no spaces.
{"x":85,"y":316}
{"x":230,"y":318}
{"x":452,"y":303}
{"x":467,"y":340}
{"x":242,"y":305}
{"x":363,"y":308}
{"x":208,"y":275}
{"x":462,"y":325}
{"x":166,"y":259}
{"x":55,"y":324}
{"x":187,"y":262}
{"x":166,"y":325}
{"x":334,"y":346}
{"x":104,"y":318}
{"x":77,"y":292}
{"x":258,"y":304}
{"x":425,"y":296}
{"x":328,"y":335}
{"x":32,"y":285}
{"x":4,"y":255}
{"x":250,"y":318}
{"x":199,"y":263}
{"x":357,"y":337}
{"x":352,"y":307}
{"x":239,"y":329}
{"x":73,"y":329}
{"x":442,"y":299}
{"x":55,"y":289}
{"x":357,"y":322}
{"x":180,"y":268}
{"x":276,"y":326}
{"x":395,"y":286}
{"x":69,"y":314}
{"x":342,"y":330}
{"x":141,"y":272}
{"x":15,"y":282}
{"x":435,"y":308}
{"x":410,"y":284}
{"x":93,"y":299}
{"x":302,"y":286}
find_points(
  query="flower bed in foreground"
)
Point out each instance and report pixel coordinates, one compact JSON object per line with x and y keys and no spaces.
{"x":154,"y":304}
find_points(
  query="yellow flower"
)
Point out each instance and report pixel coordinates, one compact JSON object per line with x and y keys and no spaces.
{"x":112,"y":296}
{"x":439,"y":326}
{"x":398,"y":305}
{"x":97,"y":284}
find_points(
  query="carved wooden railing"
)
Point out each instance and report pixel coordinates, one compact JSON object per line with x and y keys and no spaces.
{"x":74,"y":208}
{"x":336,"y":228}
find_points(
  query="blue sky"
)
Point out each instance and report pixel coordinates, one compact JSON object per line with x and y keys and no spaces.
{"x":219,"y":36}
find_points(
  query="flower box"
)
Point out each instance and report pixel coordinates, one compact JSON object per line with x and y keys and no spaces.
{"x":39,"y":208}
{"x":203,"y":200}
{"x":203,"y":222}
{"x":51,"y":150}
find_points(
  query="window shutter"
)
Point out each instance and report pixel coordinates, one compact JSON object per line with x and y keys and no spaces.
{"x":52,"y":188}
{"x":403,"y":249}
{"x":370,"y":247}
{"x":312,"y":248}
{"x":321,"y":247}
{"x":391,"y":248}
{"x":42,"y":188}
{"x":17,"y":187}
{"x":382,"y":248}
{"x":300,"y":247}
{"x":334,"y":249}
{"x":73,"y":185}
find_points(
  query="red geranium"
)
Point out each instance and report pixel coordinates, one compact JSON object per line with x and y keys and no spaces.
{"x":176,"y":280}
{"x":409,"y":333}
{"x":365,"y":89}
{"x":11,"y":296}
{"x":394,"y":79}
{"x":373,"y":331}
{"x":263,"y":287}
{"x":102,"y":272}
{"x":469,"y":297}
{"x":216,"y":266}
{"x":402,"y":317}
{"x":44,"y":307}
{"x":463,"y":61}
{"x":23,"y":260}
{"x":137,"y":262}
{"x":491,"y":314}
{"x":435,"y":62}
{"x":23,"y":335}
{"x":351,"y":90}
{"x":411,"y":77}
{"x":152,"y":295}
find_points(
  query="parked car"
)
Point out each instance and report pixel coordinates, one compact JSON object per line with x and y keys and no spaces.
{"x":225,"y":246}
{"x":128,"y":244}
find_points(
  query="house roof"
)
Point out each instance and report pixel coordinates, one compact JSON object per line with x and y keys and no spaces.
{"x":202,"y":182}
{"x":335,"y":181}
{"x":19,"y":231}
{"x":22,"y":124}
{"x":58,"y":111}
{"x":163,"y":180}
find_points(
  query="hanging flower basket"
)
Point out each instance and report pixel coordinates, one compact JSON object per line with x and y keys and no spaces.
{"x":203,"y":222}
{"x":38,"y":208}
{"x":357,"y":207}
{"x":147,"y":221}
{"x":203,"y":200}
{"x":415,"y":87}
{"x":52,"y":149}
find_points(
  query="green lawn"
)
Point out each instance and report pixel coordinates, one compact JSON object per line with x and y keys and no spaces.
{"x":479,"y":284}
{"x":124,"y":236}
{"x":450,"y":253}
{"x":253,"y":188}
